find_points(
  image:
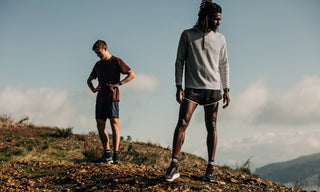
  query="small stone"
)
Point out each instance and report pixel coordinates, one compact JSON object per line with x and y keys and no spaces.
{"x":269,"y":183}
{"x":259,"y":180}
{"x":233,"y":180}
{"x":270,"y":189}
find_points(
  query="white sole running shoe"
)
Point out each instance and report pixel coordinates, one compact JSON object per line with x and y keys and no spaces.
{"x":175,"y":176}
{"x":172,"y":173}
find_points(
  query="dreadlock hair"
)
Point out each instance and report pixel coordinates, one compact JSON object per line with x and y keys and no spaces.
{"x":207,"y":10}
{"x":99,"y":44}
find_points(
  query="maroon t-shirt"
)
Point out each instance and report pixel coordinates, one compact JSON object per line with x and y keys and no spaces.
{"x":108,"y":72}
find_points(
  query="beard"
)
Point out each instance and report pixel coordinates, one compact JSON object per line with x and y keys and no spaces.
{"x":212,"y":26}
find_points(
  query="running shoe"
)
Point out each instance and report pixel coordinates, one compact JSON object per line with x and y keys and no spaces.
{"x":116,"y":161}
{"x":209,"y":175}
{"x":103,"y":159}
{"x":172,"y":173}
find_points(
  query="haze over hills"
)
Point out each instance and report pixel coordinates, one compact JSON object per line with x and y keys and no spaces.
{"x":305,"y":170}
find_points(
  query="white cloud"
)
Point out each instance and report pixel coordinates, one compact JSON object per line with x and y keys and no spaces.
{"x":267,"y":146}
{"x":18,"y":98}
{"x":298,"y":105}
{"x":251,"y":100}
{"x":259,"y":104}
{"x":48,"y":106}
{"x":143,"y":83}
{"x":59,"y":107}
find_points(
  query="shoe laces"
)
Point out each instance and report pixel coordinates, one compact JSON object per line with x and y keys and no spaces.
{"x":172,"y":166}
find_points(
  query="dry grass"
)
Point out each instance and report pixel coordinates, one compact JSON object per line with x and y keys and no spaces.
{"x":146,"y":154}
{"x":59,"y":158}
{"x":45,"y":143}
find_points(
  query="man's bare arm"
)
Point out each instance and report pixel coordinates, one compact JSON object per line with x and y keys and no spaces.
{"x":129,"y":77}
{"x":226,"y":98}
{"x":94,"y":90}
{"x":179,"y":94}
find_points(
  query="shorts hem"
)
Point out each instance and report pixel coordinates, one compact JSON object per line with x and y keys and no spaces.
{"x":192,"y":101}
{"x":201,"y":104}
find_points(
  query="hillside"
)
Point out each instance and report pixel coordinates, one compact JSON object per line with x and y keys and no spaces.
{"x":305,"y":170}
{"x":52,"y":159}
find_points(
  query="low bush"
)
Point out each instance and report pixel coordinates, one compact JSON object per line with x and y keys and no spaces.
{"x":62,"y":133}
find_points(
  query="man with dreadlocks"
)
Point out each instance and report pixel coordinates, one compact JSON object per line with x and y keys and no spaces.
{"x":202,"y":52}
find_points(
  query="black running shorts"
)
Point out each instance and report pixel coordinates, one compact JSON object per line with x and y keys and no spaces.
{"x":107,"y":110}
{"x":202,"y":96}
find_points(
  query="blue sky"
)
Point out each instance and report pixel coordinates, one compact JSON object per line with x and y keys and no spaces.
{"x":273,"y":48}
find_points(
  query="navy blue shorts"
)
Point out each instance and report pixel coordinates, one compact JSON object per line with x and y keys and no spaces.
{"x":107,"y":110}
{"x":202,"y":96}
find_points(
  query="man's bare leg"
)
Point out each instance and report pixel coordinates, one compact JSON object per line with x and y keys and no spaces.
{"x":186,"y":110}
{"x":115,"y":133}
{"x":116,"y":138}
{"x":211,"y":113}
{"x":101,"y":126}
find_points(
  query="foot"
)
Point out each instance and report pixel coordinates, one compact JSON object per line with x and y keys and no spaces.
{"x":116,"y":161}
{"x":172,"y":173}
{"x":104,"y":159}
{"x":209,"y":175}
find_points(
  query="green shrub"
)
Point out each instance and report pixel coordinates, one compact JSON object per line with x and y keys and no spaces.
{"x":58,"y":153}
{"x":129,"y":139}
{"x":6,"y":118}
{"x":80,"y":138}
{"x":19,"y":152}
{"x":93,"y":133}
{"x":5,"y":158}
{"x":91,"y":152}
{"x":45,"y":145}
{"x":30,"y":147}
{"x":63,"y":133}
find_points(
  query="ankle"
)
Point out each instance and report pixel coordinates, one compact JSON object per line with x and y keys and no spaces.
{"x":210,"y":163}
{"x":174,"y":162}
{"x":115,"y":155}
{"x":107,"y":153}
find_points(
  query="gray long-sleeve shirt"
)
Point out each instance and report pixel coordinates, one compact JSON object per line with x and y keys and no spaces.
{"x":204,"y":56}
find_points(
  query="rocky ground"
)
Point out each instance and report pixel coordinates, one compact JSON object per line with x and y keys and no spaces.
{"x":55,"y":176}
{"x":51,"y":159}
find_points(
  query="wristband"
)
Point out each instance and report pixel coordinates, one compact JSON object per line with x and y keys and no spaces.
{"x":120,"y":83}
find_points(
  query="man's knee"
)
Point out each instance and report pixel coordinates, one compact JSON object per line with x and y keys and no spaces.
{"x":101,"y":125}
{"x":182,"y":124}
{"x":114,"y":123}
{"x":211,"y":126}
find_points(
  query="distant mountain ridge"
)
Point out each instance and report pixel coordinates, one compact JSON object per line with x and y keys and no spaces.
{"x":305,"y":170}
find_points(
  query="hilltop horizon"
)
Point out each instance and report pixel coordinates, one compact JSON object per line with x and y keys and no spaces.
{"x":46,"y":158}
